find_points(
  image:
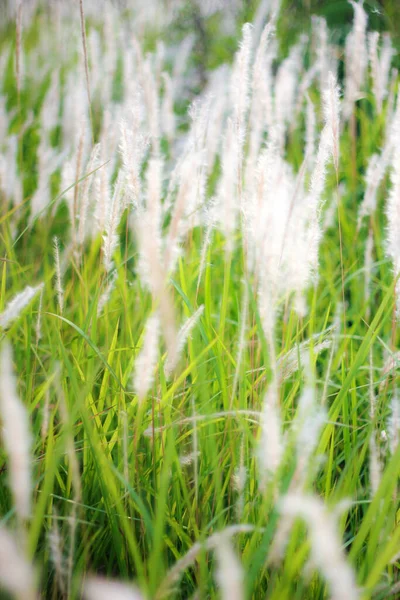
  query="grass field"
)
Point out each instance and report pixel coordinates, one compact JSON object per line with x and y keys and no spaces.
{"x":198,"y":325}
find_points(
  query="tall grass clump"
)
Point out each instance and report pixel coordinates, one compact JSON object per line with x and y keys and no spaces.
{"x":199,"y":304}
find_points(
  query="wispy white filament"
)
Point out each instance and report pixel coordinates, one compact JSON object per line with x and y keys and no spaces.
{"x":147,"y":358}
{"x":16,"y":574}
{"x":393,"y":220}
{"x":310,"y":418}
{"x":15,"y":307}
{"x":99,"y":588}
{"x":394,"y":424}
{"x":189,"y":558}
{"x":39,"y":317}
{"x":105,"y":296}
{"x":183,"y":335}
{"x":59,"y":286}
{"x":326,"y":548}
{"x":229,"y":574}
{"x":110,"y":238}
{"x":271,"y":446}
{"x":332,"y":111}
{"x":356,"y":58}
{"x":16,"y":436}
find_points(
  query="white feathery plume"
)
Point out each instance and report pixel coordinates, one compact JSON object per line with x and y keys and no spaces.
{"x":326,"y":149}
{"x":79,"y":159}
{"x":240,"y":87}
{"x":102,"y":175}
{"x":331,"y":105}
{"x":241,"y":342}
{"x":56,"y":554}
{"x":218,"y":91}
{"x":305,"y":84}
{"x":100,"y":588}
{"x":375,"y":467}
{"x":203,"y":254}
{"x":195,"y":451}
{"x":286,"y":87}
{"x":227,"y":187}
{"x":292,"y":360}
{"x":308,"y":423}
{"x":133,"y":147}
{"x":380,"y":67}
{"x":320,"y":32}
{"x":10,"y":180}
{"x":59,"y":286}
{"x":261,"y":100}
{"x":49,"y":114}
{"x":387,"y":53}
{"x":368,"y":263}
{"x":125,"y":453}
{"x":356,"y":59}
{"x":183,"y":335}
{"x":18,"y":47}
{"x":84,"y":199}
{"x":48,"y":161}
{"x":378,"y":164}
{"x":167,"y":109}
{"x":15,"y":306}
{"x":150,"y":93}
{"x":154,"y":176}
{"x":252,"y":416}
{"x":392,"y":103}
{"x":239,"y":482}
{"x":74,"y":471}
{"x":389,"y":366}
{"x":392,"y":111}
{"x":148,"y":230}
{"x":271,"y":445}
{"x":16,"y":574}
{"x":16,"y":436}
{"x":181,"y":60}
{"x":326,"y":548}
{"x":110,"y":237}
{"x":38,"y":328}
{"x":174,"y":574}
{"x":67,"y":185}
{"x":189,"y":197}
{"x":185,"y":460}
{"x":310,"y":132}
{"x":229,"y":574}
{"x":393,"y":217}
{"x":230,"y":185}
{"x":376,"y":169}
{"x":45,"y":415}
{"x":146,"y":360}
{"x":394,"y":424}
{"x":105,"y":296}
{"x":152,"y":264}
{"x":373,"y":41}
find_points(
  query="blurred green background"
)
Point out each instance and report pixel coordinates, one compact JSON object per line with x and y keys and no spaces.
{"x":383,"y":15}
{"x":213,"y":47}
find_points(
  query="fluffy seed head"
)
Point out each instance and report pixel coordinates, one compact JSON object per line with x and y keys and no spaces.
{"x":326,"y":551}
{"x":17,"y":304}
{"x":16,"y":436}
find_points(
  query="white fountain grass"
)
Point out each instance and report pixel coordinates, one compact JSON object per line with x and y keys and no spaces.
{"x":226,"y":283}
{"x":326,"y":551}
{"x":16,"y":436}
{"x":17,"y":304}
